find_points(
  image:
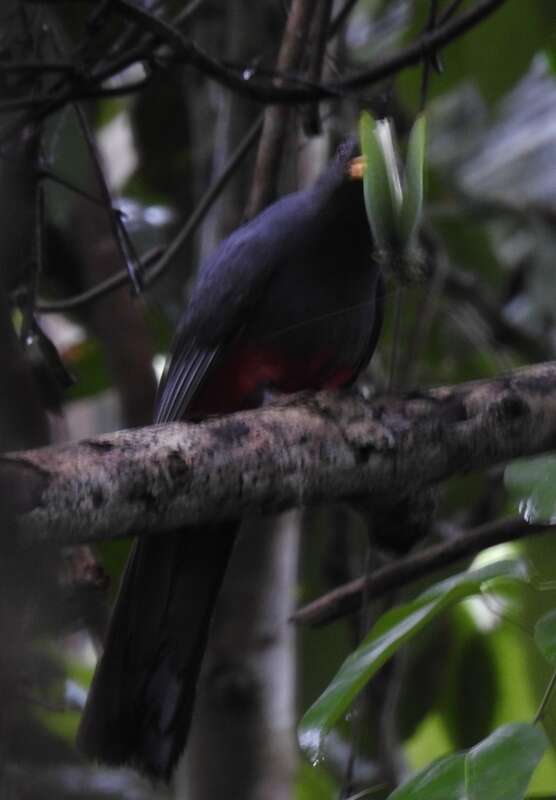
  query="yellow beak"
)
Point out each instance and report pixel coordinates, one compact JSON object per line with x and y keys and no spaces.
{"x":356,"y":168}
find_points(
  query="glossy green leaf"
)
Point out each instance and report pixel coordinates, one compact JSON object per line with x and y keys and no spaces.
{"x":501,"y":766}
{"x":498,"y":768}
{"x":545,"y":636}
{"x":386,"y":139}
{"x":381,"y":180}
{"x":469,"y":715}
{"x":392,"y":630}
{"x":314,"y":782}
{"x":532,"y":484}
{"x":442,"y":780}
{"x":412,"y":204}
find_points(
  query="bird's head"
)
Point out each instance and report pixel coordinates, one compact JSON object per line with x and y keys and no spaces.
{"x":348,"y":164}
{"x":356,"y":168}
{"x":347,"y":168}
{"x":340,"y":188}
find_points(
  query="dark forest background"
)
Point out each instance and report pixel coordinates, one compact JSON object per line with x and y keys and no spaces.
{"x":134,"y":136}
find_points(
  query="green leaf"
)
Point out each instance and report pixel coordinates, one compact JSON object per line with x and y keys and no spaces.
{"x":381,"y":181}
{"x":442,"y":780}
{"x":469,"y":715}
{"x":412,"y":204}
{"x":314,"y":782}
{"x":545,"y":636}
{"x":501,"y":766}
{"x":532,"y":484}
{"x":392,"y":630}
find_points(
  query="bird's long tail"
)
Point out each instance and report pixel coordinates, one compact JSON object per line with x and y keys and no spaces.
{"x":140,"y":704}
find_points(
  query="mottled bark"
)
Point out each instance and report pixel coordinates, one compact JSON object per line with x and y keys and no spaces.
{"x":311,"y":449}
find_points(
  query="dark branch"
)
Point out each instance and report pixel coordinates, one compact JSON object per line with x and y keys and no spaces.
{"x":275,"y":125}
{"x":153,"y":266}
{"x":348,"y":598}
{"x":181,"y":50}
{"x":408,"y":57}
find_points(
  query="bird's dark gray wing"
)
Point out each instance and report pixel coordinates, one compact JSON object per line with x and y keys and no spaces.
{"x":229,"y":286}
{"x":182,"y":379}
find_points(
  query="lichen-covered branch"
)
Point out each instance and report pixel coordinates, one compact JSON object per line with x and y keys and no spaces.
{"x":310,"y":449}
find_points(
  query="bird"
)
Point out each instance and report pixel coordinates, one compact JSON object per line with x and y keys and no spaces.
{"x":292,"y":300}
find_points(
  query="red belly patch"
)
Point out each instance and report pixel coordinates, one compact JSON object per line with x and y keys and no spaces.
{"x":238,"y":381}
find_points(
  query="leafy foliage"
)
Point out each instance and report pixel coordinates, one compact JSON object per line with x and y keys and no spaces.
{"x":500,"y":768}
{"x":389,"y":633}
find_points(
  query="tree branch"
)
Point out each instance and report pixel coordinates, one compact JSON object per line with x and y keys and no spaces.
{"x":310,"y":449}
{"x":153,"y":265}
{"x":186,"y":52}
{"x":348,"y":598}
{"x":277,"y":118}
{"x":408,"y":57}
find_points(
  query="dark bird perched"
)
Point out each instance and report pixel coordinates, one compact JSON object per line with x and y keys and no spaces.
{"x":290,"y":301}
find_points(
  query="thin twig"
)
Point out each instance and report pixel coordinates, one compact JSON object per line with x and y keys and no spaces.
{"x":276,"y":121}
{"x":40,"y":67}
{"x":37,"y":266}
{"x":44,"y":108}
{"x":117,"y":225}
{"x":346,"y":599}
{"x":43,"y":173}
{"x":432,"y":59}
{"x":190,"y":54}
{"x":188,"y":12}
{"x":450,"y":11}
{"x":342,"y":15}
{"x":152,"y":273}
{"x":407,"y":57}
{"x":319,"y":36}
{"x":539,"y":716}
{"x":125,"y":248}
